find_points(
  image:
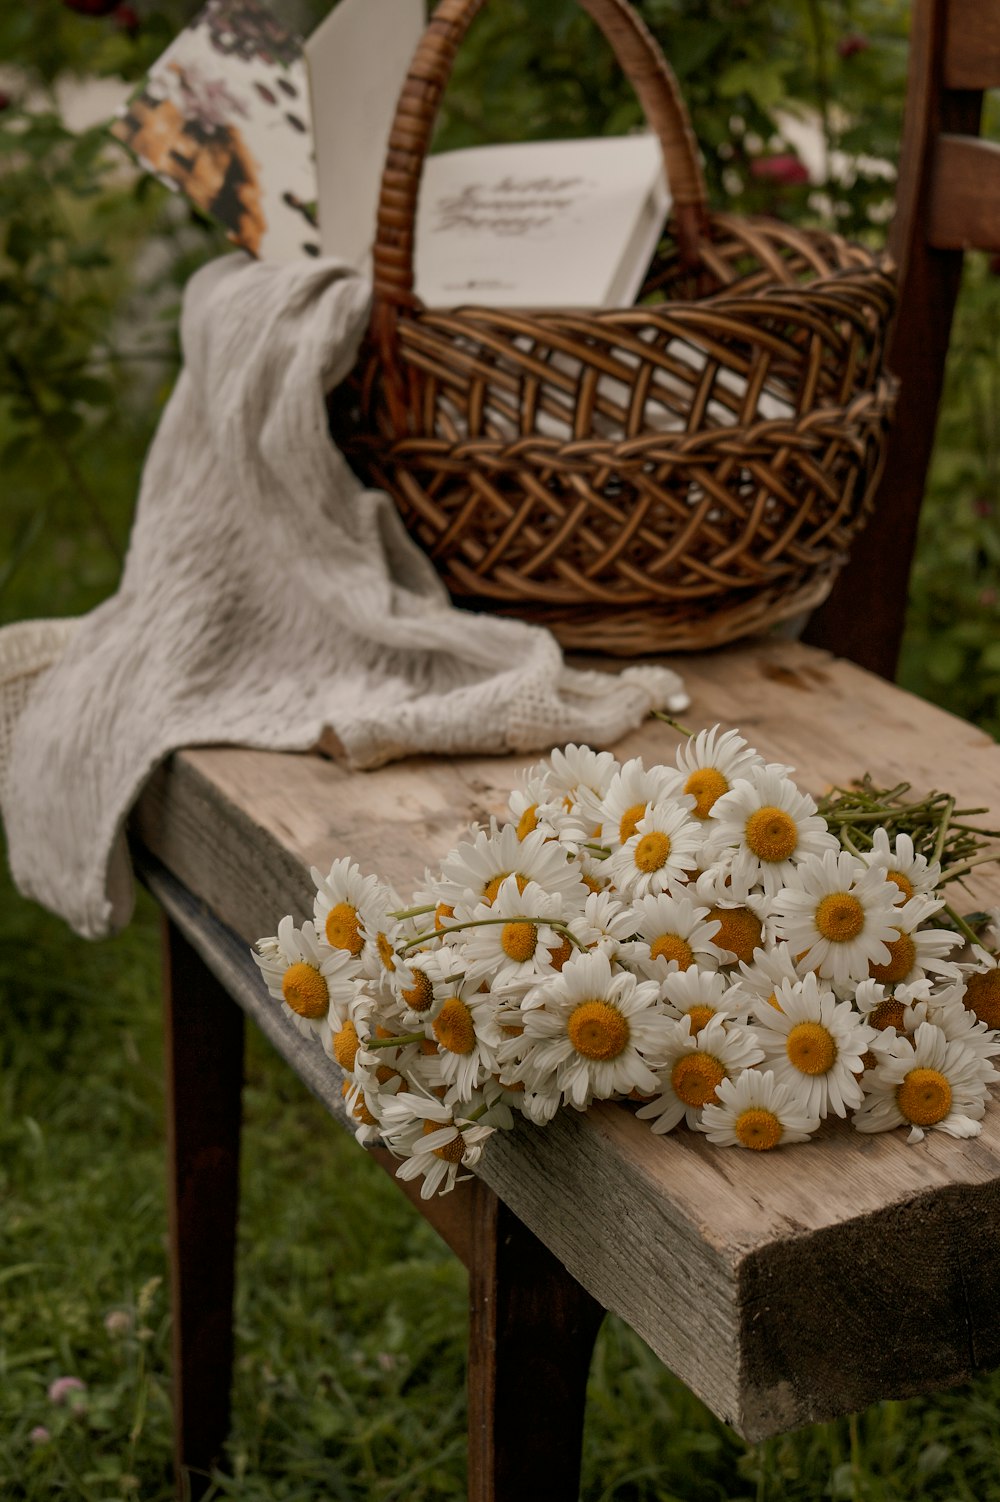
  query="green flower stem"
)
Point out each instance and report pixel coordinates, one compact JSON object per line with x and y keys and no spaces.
{"x":660,"y":714}
{"x":954,"y":872}
{"x":846,"y":841}
{"x":413,"y":912}
{"x":472,"y":1117}
{"x":397,"y":1042}
{"x":454,"y":928}
{"x":943,"y":830}
{"x":601,"y":851}
{"x":960,"y":923}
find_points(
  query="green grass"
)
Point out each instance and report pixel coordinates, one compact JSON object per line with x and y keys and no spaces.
{"x":351,"y":1315}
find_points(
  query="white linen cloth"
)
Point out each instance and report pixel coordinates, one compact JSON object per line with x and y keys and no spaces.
{"x":267,"y":598}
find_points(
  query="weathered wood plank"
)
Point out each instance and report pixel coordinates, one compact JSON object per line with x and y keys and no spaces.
{"x":964,"y":209}
{"x":972,"y":45}
{"x":742,"y":1272}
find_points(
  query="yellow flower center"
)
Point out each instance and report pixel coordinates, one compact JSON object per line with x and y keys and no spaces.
{"x":773,"y":1001}
{"x":740,"y":932}
{"x":443,"y":913}
{"x":652,"y":851}
{"x":982,"y":996}
{"x":706,"y":786}
{"x":528,"y":822}
{"x":591,"y":882}
{"x":385,"y":1072}
{"x":630,"y":819}
{"x":342,"y":930}
{"x":359,"y":1111}
{"x":452,"y":1151}
{"x":840,"y":917}
{"x":492,"y":887}
{"x":519,"y":940}
{"x":345,"y":1045}
{"x":385,"y":951}
{"x":453,"y":1026}
{"x":771,"y":834}
{"x":888,"y":1013}
{"x":811,"y":1048}
{"x":902,"y":958}
{"x":904,"y":883}
{"x":305,"y":990}
{"x":560,"y":955}
{"x":420,"y":995}
{"x":758,"y":1128}
{"x":924,"y":1097}
{"x":699,"y":1016}
{"x":695,"y":1078}
{"x":598,"y":1030}
{"x":672,"y":947}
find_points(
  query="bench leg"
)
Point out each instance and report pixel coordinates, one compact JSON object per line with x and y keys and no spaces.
{"x":204,"y":1074}
{"x":531,"y":1333}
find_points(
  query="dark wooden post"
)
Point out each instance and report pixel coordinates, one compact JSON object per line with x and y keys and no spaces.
{"x":204,"y":1074}
{"x":531,"y":1334}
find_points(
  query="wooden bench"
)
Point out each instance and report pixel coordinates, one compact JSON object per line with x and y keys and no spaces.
{"x":769,"y":1284}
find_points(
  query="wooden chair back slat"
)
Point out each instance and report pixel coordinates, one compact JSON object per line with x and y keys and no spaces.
{"x":972,"y":45}
{"x":947,"y":201}
{"x":964,"y":208}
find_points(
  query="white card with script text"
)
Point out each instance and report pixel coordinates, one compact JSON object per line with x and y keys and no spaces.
{"x":357,"y":59}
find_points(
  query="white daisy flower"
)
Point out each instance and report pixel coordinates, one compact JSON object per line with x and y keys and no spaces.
{"x":815,"y":1045}
{"x":421,"y":984}
{"x":363,"y":1106}
{"x":340,"y":896}
{"x":598,"y":1030}
{"x":743,"y":921}
{"x":981,"y":975}
{"x":695,"y":1068}
{"x":915,"y":951}
{"x":883,"y":1008}
{"x":948,"y":1012}
{"x":607,"y":922}
{"x":770,"y":828}
{"x":442,"y":1147}
{"x":512,"y":944}
{"x":632,"y":790}
{"x":758,"y":981}
{"x":924,"y":1082}
{"x":466,"y":1034}
{"x":710,"y":763}
{"x":314,"y":984}
{"x":838,"y":918}
{"x":660,"y":855}
{"x":699,"y":995}
{"x":531,"y":807}
{"x":476,"y":869}
{"x":579,"y":778}
{"x":754,"y":1111}
{"x":913,"y":874}
{"x":674,"y":935}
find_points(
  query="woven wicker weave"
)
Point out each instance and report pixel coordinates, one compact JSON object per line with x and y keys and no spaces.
{"x":671,"y":475}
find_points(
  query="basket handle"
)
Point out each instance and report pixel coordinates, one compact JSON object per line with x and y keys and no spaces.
{"x":645,"y":68}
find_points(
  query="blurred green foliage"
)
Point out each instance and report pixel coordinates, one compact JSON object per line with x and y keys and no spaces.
{"x":92,"y":260}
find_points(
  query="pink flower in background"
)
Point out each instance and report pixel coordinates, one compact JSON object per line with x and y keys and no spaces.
{"x":785,"y":168}
{"x":39,"y":1435}
{"x":60,"y":1389}
{"x":853,"y":42}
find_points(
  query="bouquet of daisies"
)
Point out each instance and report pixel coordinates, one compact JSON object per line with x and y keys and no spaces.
{"x":693,"y":938}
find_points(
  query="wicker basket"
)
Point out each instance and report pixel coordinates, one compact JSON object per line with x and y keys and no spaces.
{"x":671,"y":475}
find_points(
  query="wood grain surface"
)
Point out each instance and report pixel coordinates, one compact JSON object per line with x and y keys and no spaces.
{"x":783,"y":1287}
